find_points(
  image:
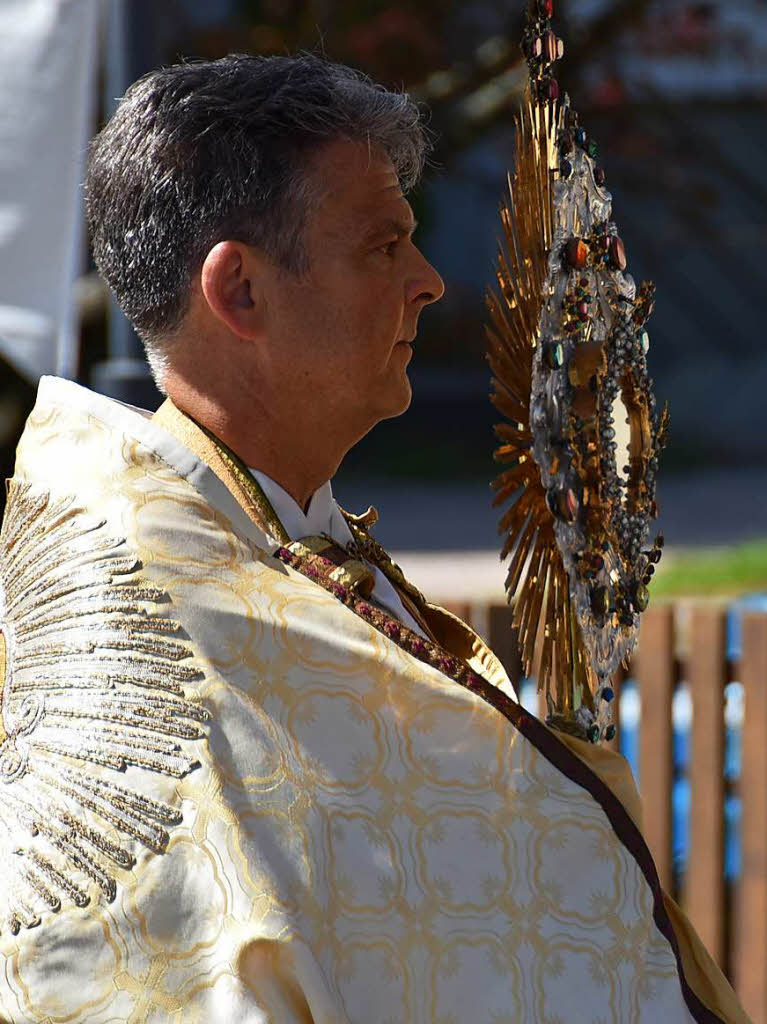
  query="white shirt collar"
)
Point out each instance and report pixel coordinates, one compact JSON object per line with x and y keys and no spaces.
{"x":322,"y":515}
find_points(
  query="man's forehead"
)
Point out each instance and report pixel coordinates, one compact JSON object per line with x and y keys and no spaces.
{"x":347,"y":158}
{"x":362,"y":180}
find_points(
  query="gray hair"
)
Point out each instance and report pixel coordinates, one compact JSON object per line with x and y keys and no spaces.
{"x":205,"y":151}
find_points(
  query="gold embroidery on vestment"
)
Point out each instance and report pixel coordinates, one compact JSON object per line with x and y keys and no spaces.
{"x":355,"y":574}
{"x":90,"y":672}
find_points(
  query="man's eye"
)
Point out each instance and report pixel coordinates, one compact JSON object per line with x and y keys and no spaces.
{"x":389,"y":247}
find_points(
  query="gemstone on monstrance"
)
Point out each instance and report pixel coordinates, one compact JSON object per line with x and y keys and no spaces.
{"x":563,"y":504}
{"x":617,"y":253}
{"x":600,"y":602}
{"x":554,"y":355}
{"x":577,"y":253}
{"x":641,"y":598}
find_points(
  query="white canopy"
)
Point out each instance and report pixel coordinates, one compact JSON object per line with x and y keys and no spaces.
{"x":48,"y":56}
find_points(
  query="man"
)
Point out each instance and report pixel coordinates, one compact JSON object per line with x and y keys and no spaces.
{"x":250,"y":773}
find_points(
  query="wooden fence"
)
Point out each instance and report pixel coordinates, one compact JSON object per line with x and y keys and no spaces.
{"x":688,"y":646}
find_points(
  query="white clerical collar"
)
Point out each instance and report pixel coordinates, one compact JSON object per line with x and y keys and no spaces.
{"x":322,"y":515}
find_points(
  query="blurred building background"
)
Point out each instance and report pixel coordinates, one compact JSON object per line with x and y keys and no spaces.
{"x":673,"y":91}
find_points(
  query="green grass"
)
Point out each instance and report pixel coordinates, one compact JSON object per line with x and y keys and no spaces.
{"x":711,"y":572}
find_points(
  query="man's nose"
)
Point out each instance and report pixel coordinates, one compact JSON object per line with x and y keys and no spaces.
{"x":428,"y":286}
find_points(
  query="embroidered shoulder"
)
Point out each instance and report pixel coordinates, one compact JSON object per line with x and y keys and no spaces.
{"x":91,"y":672}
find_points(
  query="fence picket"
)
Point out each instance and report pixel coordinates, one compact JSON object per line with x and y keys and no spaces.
{"x":656,"y":678}
{"x":704,"y":894}
{"x":750,"y":940}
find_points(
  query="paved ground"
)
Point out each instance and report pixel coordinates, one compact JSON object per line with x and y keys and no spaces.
{"x":445,"y":537}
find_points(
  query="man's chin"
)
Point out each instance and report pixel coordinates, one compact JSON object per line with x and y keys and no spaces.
{"x":401,"y":401}
{"x":392,"y":399}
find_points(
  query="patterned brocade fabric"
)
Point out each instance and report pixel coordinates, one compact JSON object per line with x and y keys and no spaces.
{"x":272,"y":811}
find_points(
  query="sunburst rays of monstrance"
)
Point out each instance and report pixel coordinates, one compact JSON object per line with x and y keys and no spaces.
{"x":580,"y":440}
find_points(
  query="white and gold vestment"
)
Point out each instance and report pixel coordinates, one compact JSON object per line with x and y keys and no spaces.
{"x":225,"y":796}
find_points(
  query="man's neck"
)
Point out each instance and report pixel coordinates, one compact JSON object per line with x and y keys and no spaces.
{"x":297,"y":455}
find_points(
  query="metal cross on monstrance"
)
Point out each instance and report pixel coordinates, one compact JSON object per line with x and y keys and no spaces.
{"x":581,"y":436}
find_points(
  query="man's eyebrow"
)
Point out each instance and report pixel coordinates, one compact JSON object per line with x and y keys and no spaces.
{"x":398,"y":226}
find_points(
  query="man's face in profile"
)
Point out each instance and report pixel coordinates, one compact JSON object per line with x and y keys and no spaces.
{"x":345,"y":327}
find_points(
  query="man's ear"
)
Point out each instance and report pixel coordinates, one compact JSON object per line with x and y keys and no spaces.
{"x":231,"y":288}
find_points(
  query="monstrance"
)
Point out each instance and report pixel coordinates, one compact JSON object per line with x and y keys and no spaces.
{"x":581,"y":436}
